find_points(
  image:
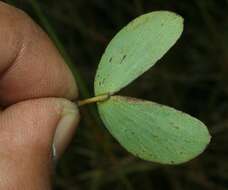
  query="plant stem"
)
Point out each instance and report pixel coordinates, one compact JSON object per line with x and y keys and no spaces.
{"x":99,"y":98}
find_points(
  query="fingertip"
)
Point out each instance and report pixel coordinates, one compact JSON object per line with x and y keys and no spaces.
{"x":66,"y":127}
{"x":37,"y":124}
{"x":30,"y":64}
{"x":27,"y":130}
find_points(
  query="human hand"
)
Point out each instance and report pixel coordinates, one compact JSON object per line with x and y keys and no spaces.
{"x":35,"y":84}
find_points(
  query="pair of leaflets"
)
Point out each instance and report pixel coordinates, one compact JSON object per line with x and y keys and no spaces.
{"x":148,"y":130}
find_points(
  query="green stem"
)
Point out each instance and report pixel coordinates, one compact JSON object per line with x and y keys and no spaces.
{"x":99,"y":98}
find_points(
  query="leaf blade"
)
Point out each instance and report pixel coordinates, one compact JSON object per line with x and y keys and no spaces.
{"x":136,"y":48}
{"x":154,"y":132}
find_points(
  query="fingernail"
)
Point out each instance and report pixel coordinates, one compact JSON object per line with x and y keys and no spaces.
{"x":65,"y":128}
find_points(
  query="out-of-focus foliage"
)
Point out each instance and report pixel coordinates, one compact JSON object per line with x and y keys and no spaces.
{"x":193,"y":77}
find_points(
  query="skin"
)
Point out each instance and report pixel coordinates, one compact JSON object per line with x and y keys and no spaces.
{"x":36,"y":87}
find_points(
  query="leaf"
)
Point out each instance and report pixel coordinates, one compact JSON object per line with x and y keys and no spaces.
{"x":152,"y":131}
{"x":136,"y":48}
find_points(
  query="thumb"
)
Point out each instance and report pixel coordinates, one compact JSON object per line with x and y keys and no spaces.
{"x":28,"y":131}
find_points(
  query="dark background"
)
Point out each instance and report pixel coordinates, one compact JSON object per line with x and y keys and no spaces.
{"x":192,"y":77}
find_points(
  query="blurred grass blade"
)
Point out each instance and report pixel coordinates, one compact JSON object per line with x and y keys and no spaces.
{"x":83,"y":89}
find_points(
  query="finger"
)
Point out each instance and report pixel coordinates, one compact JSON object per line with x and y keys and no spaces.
{"x":27,"y":134}
{"x":30,"y":65}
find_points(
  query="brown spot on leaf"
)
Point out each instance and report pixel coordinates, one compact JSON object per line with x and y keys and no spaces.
{"x":177,"y":127}
{"x":123,"y":59}
{"x":172,"y":162}
{"x":129,"y":99}
{"x":155,"y":136}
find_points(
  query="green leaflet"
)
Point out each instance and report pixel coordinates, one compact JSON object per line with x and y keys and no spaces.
{"x":136,"y":48}
{"x":154,"y":132}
